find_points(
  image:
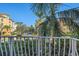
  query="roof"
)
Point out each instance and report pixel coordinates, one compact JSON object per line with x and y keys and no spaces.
{"x":2,"y":14}
{"x":5,"y":15}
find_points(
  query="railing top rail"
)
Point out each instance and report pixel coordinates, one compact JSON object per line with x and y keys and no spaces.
{"x":75,"y":39}
{"x":62,"y":37}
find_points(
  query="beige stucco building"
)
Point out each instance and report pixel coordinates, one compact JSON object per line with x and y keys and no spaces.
{"x":6,"y":25}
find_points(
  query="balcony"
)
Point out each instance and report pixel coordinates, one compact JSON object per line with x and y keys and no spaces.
{"x":38,"y":46}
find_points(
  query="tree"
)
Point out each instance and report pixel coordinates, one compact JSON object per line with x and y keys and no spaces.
{"x":31,"y":30}
{"x":70,"y":18}
{"x":48,"y":10}
{"x":21,"y":28}
{"x":7,"y":27}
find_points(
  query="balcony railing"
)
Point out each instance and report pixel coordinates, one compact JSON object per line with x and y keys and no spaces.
{"x":38,"y":46}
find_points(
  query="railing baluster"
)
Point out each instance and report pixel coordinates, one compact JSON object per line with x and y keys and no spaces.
{"x":36,"y":46}
{"x":21,"y":46}
{"x":59,"y":47}
{"x":69,"y":53}
{"x":25,"y":46}
{"x":73,"y":47}
{"x":1,"y":46}
{"x":54,"y":46}
{"x":14,"y":46}
{"x":28,"y":46}
{"x":32,"y":47}
{"x":10,"y":46}
{"x":5,"y":46}
{"x":76,"y":48}
{"x":64,"y":47}
{"x":45,"y":46}
{"x":17,"y":46}
{"x":41,"y":46}
{"x":50,"y":46}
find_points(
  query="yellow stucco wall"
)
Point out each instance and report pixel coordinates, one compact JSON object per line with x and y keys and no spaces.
{"x":7,"y":21}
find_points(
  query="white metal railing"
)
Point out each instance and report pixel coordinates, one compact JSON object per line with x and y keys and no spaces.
{"x":38,"y":46}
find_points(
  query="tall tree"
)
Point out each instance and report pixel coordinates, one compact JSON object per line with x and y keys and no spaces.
{"x":48,"y":10}
{"x":21,"y":28}
{"x":70,"y":18}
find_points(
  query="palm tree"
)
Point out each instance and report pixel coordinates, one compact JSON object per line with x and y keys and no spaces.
{"x":48,"y":10}
{"x":70,"y":18}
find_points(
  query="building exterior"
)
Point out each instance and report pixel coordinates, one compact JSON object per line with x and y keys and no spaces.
{"x":6,"y":25}
{"x":14,"y":25}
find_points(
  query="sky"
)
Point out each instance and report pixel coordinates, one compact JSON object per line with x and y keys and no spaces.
{"x":21,"y":12}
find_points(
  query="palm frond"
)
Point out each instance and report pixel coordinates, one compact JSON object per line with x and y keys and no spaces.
{"x":69,"y":18}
